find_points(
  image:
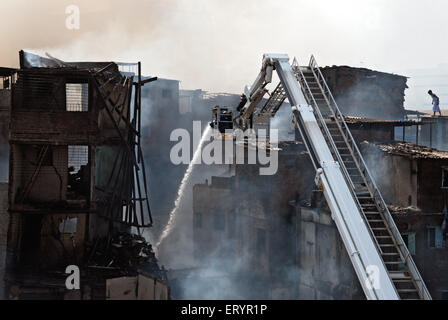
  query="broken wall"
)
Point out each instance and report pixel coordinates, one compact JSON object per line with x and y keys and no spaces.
{"x":50,"y":183}
{"x":366,"y":93}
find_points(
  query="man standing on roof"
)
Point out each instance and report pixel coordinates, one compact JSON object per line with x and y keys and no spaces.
{"x":435,"y":103}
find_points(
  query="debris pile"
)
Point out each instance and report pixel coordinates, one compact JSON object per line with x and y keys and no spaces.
{"x":128,"y":254}
{"x":413,"y":151}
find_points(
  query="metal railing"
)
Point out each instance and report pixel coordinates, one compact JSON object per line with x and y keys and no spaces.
{"x":367,"y":177}
{"x":321,"y":121}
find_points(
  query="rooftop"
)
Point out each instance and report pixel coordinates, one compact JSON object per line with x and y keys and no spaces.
{"x":360,"y":120}
{"x":364,"y":70}
{"x":6,"y":72}
{"x":410,"y":150}
{"x":431,"y":113}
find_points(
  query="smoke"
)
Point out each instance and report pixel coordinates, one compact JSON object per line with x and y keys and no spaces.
{"x":104,"y":24}
{"x":228,"y":263}
{"x":217,"y":277}
{"x":196,"y":41}
{"x":371,"y":96}
{"x":283,"y":123}
{"x":386,"y":170}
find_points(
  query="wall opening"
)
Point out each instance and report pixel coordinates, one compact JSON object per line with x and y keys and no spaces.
{"x":77,"y":97}
{"x":68,"y":226}
{"x":434,"y":237}
{"x":444,"y":177}
{"x":30,"y":242}
{"x":78,"y":185}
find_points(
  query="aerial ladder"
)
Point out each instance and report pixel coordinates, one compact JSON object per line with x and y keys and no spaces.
{"x":381,"y":259}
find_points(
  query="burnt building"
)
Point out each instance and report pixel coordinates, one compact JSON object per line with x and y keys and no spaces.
{"x":414,"y":181}
{"x":409,"y":175}
{"x":274,"y":235}
{"x":362,"y":92}
{"x":243,"y":225}
{"x":7,"y":77}
{"x":268,"y":235}
{"x":77,"y":180}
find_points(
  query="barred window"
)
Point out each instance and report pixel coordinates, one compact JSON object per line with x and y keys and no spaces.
{"x":77,"y":97}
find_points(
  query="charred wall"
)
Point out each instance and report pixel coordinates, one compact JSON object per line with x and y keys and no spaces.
{"x":367,"y":93}
{"x":5,"y":102}
{"x":253,"y":225}
{"x":405,"y":179}
{"x":431,"y":198}
{"x":4,"y":224}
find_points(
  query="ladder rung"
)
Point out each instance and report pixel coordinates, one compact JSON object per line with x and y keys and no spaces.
{"x":403,"y":280}
{"x":379,"y":229}
{"x":393,"y":262}
{"x":407,"y":290}
{"x":375,"y":221}
{"x":397,"y":276}
{"x":389,"y":254}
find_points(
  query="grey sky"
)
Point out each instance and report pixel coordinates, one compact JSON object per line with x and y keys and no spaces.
{"x":217,"y":44}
